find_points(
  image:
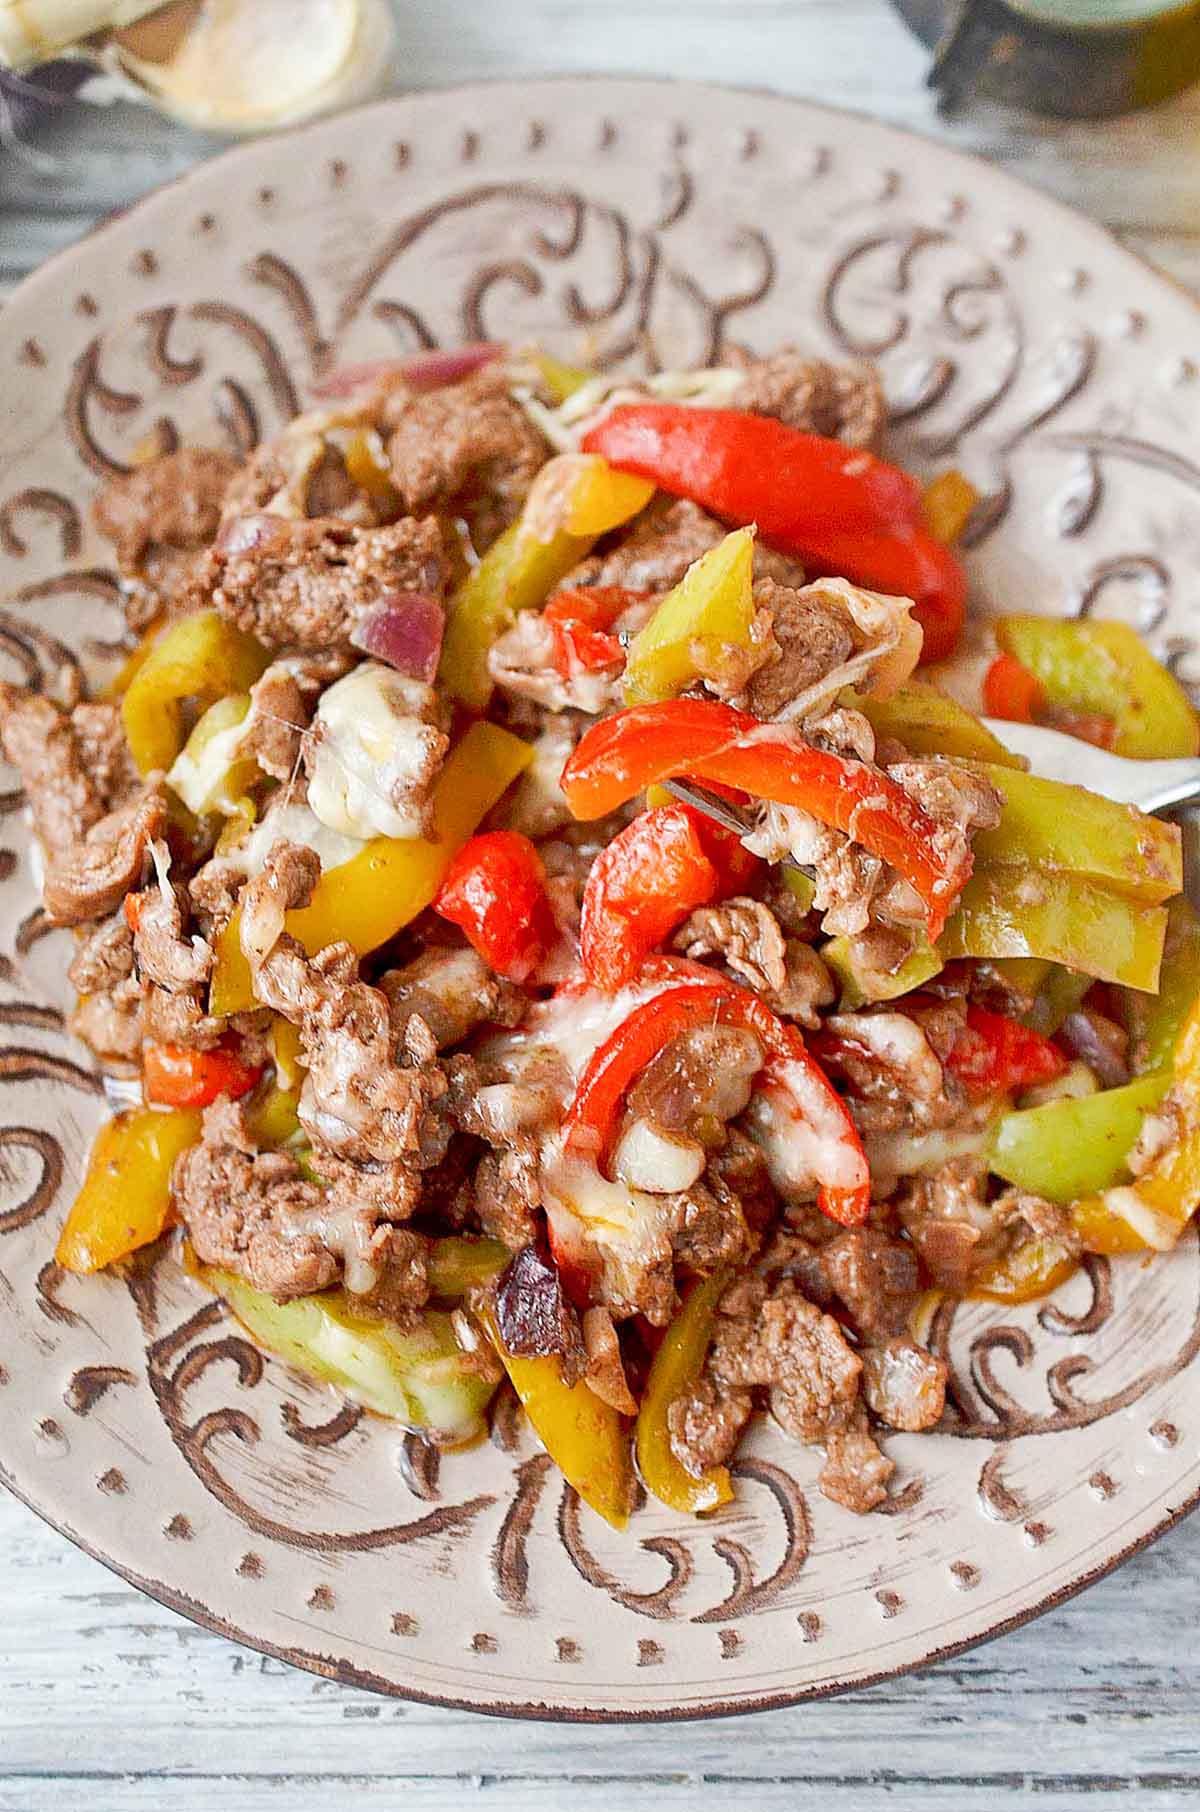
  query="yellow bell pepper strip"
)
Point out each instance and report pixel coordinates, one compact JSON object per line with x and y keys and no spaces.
{"x":1072,"y":1148}
{"x":368,"y":899}
{"x":1155,"y":1020}
{"x":1106,"y":668}
{"x":676,"y":1365}
{"x":134,"y":661}
{"x":273,"y":1113}
{"x":458,"y":1264}
{"x":201,"y":657}
{"x":1045,"y":824}
{"x":366,"y":466}
{"x":561,"y":380}
{"x":1018,"y":912}
{"x":948,"y":501}
{"x":929,"y":722}
{"x":125,"y":1200}
{"x":584,"y":1436}
{"x":1101,"y":1229}
{"x":1156,"y":1206}
{"x":1030,"y":1270}
{"x":862,"y":984}
{"x":575,"y":498}
{"x":208,"y":774}
{"x":417,"y":1374}
{"x":702,"y":628}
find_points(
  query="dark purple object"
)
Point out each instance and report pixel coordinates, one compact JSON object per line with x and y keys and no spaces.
{"x":533,"y":1314}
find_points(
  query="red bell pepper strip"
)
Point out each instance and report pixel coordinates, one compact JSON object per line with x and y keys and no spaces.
{"x":495,"y":891}
{"x":580,"y":621}
{"x":708,"y":741}
{"x":591,"y":1119}
{"x":173,"y":1076}
{"x":837,"y":508}
{"x":1010,"y":691}
{"x":998,"y":1055}
{"x":639,"y":889}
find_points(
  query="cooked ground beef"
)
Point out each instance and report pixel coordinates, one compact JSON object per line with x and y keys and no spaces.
{"x":159,"y":517}
{"x":745,"y":934}
{"x":305,"y":584}
{"x":468,"y":450}
{"x":842,"y":402}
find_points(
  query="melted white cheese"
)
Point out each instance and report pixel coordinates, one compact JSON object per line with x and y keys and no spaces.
{"x":373,"y":747}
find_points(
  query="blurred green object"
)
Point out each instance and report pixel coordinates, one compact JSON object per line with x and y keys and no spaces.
{"x":1082,"y":59}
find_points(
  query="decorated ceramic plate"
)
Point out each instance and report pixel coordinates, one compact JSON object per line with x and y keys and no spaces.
{"x":621,"y":223}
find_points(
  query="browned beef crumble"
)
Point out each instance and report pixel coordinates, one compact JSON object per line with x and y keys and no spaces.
{"x":468,"y":450}
{"x":305,"y":584}
{"x":159,"y":517}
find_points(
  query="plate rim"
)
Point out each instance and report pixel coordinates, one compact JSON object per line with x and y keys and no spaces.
{"x":339,"y":1668}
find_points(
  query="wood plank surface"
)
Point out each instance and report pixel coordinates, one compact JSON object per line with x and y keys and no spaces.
{"x":110,"y":1702}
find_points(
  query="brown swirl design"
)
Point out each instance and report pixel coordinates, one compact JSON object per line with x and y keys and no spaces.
{"x":170,"y":1383}
{"x":660,"y":1603}
{"x":47,"y":1149}
{"x":747,"y":1595}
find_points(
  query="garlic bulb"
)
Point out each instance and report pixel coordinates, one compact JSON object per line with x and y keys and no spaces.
{"x":251,"y":65}
{"x":33,"y":31}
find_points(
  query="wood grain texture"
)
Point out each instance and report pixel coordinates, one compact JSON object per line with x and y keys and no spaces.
{"x":107,"y":1699}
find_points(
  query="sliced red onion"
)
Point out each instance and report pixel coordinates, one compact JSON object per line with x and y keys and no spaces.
{"x":422,"y":371}
{"x":404,"y":630}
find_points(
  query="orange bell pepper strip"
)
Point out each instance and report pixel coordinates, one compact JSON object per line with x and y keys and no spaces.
{"x":676,"y":1365}
{"x":706,"y":740}
{"x":1010,"y":691}
{"x":125,"y":1198}
{"x":703,"y":998}
{"x":173,"y":1076}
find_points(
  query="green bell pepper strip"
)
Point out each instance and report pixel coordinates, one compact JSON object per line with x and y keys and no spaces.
{"x":575,"y":499}
{"x":1155,"y":1020}
{"x":1155,"y":1207}
{"x":676,"y":1365}
{"x":929,"y":722}
{"x":418,"y":1374}
{"x":1069,"y":1149}
{"x":1070,"y":920}
{"x":584,"y":1436}
{"x":200,"y":656}
{"x":1106,"y":668}
{"x":457,"y":1265}
{"x":1045,"y":824}
{"x":701,"y":626}
{"x":861,"y":984}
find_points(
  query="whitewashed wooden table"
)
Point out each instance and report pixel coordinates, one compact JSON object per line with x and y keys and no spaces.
{"x":109,"y":1701}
